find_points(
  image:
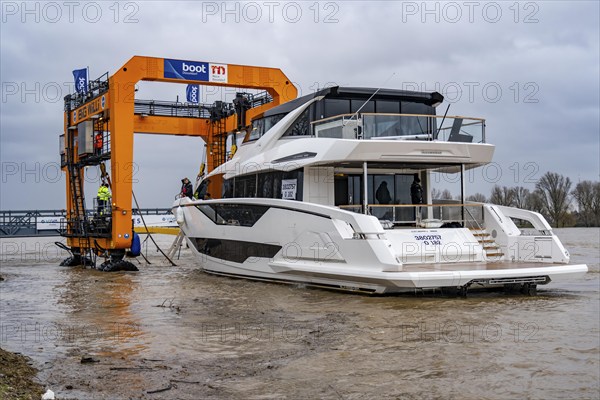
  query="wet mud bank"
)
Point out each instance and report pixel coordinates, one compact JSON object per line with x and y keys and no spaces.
{"x":18,"y":378}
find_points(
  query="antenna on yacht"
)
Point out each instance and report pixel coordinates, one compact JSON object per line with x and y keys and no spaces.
{"x":440,"y":128}
{"x":366,"y":101}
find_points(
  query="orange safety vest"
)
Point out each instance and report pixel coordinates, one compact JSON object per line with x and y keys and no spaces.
{"x":98,"y":141}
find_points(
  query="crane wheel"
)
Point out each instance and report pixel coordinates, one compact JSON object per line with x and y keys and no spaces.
{"x":76,"y":260}
{"x":117,"y":265}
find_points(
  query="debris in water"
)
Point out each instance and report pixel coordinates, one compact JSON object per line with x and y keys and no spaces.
{"x":88,"y":360}
{"x":49,"y":395}
{"x":160,"y":390}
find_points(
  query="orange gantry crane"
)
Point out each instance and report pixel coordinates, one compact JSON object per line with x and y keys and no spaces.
{"x":99,"y":127}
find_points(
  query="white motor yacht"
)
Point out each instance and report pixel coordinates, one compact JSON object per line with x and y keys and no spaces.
{"x":333,"y":190}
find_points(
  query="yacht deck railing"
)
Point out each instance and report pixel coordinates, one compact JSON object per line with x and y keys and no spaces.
{"x":382,"y":126}
{"x":425,"y":215}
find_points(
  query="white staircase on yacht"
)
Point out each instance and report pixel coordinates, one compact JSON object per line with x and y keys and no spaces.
{"x":491,"y":249}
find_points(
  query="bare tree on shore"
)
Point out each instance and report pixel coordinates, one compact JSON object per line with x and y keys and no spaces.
{"x":596,"y":202}
{"x":587,"y":197}
{"x":503,"y":196}
{"x":554,"y":191}
{"x":521,"y":195}
{"x":446,"y":195}
{"x":534,"y":202}
{"x":477,"y":197}
{"x":552,"y":197}
{"x":441,"y":195}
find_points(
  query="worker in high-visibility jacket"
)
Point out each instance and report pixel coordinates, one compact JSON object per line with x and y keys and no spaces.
{"x":103,"y":198}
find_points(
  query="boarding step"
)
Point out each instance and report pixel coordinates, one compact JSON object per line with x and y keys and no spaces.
{"x":480,"y":234}
{"x":494,"y":256}
{"x":492,"y":251}
{"x":491,"y":247}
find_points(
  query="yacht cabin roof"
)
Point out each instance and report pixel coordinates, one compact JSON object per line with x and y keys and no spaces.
{"x":428,"y":98}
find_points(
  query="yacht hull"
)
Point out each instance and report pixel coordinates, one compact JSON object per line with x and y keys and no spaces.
{"x":321,"y":246}
{"x":428,"y":277}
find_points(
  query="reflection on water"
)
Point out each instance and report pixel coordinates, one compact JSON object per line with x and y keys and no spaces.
{"x":207,"y":336}
{"x":101,"y":306}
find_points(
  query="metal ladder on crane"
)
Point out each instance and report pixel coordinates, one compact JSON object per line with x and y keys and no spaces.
{"x":218,"y":145}
{"x":77,"y":225}
{"x":218,"y":150}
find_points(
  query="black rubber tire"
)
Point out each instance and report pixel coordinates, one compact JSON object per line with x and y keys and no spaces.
{"x":120,"y":265}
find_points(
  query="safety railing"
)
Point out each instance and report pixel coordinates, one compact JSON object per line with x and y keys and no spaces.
{"x":401,"y":127}
{"x":171,"y":109}
{"x":179,"y":109}
{"x":18,"y":223}
{"x":95,"y":88}
{"x":260,"y":99}
{"x":530,"y":223}
{"x":425,"y":215}
{"x":93,"y":226}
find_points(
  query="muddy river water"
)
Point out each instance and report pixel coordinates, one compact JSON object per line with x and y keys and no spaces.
{"x":177,"y":333}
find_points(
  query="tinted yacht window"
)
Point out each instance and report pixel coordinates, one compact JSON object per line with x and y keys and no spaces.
{"x":367,"y":106}
{"x":301,"y":127}
{"x":388,"y":107}
{"x":245,"y":186}
{"x":261,"y":126}
{"x":416,"y":108}
{"x":265,"y":185}
{"x":227,"y":188}
{"x":336,"y":107}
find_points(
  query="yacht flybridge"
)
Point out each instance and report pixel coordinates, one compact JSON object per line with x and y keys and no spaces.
{"x":334,"y":189}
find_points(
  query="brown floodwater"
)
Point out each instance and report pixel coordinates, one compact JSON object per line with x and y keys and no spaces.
{"x":177,"y":333}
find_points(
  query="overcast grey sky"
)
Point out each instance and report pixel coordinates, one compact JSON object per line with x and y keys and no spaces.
{"x":530,"y":68}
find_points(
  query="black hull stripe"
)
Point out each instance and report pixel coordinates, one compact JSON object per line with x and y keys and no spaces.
{"x":209,"y":202}
{"x":293,"y":282}
{"x":234,"y":250}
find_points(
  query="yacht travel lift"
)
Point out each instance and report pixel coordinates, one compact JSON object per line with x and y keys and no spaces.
{"x":99,"y":126}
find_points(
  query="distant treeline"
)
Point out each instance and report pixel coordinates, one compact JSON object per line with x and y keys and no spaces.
{"x":552,"y":197}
